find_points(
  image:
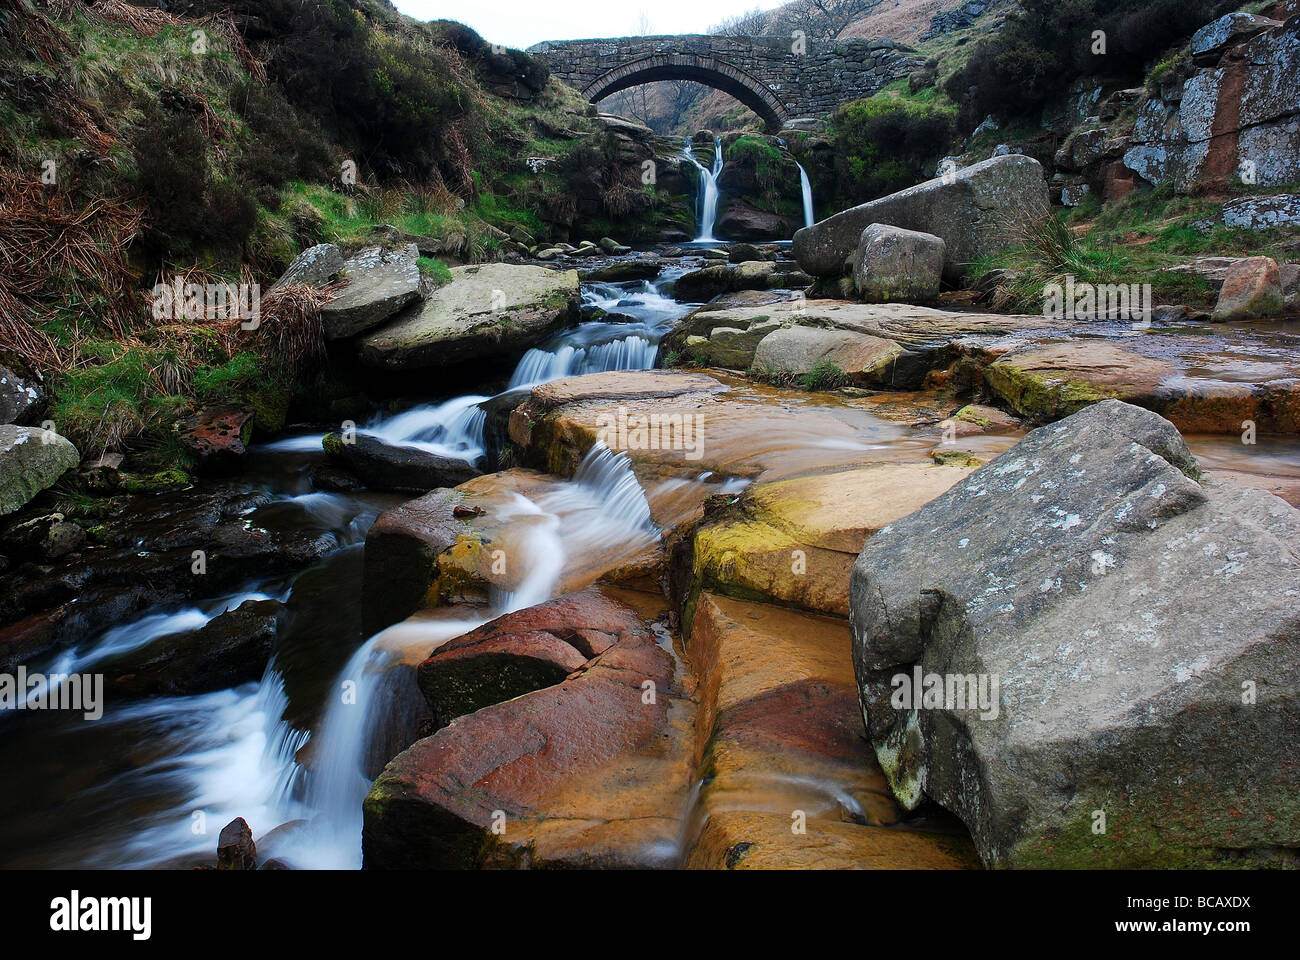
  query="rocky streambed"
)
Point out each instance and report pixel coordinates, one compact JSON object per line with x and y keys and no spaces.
{"x":603,"y":613}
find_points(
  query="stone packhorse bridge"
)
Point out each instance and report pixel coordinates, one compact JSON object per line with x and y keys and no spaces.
{"x":777,"y":78}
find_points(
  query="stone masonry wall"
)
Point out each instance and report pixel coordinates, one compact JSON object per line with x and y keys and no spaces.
{"x":792,"y":85}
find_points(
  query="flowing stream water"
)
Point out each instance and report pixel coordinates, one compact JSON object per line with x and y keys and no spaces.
{"x":154,"y":780}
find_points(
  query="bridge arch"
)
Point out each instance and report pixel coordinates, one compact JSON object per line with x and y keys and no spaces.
{"x":710,"y":71}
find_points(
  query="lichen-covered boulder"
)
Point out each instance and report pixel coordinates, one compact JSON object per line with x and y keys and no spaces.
{"x":488,"y":310}
{"x":892,"y":264}
{"x":1124,"y":635}
{"x":380,"y":283}
{"x":31,"y":459}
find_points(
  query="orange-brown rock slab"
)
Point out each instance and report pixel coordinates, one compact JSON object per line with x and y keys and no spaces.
{"x":560,"y":776}
{"x":789,"y":779}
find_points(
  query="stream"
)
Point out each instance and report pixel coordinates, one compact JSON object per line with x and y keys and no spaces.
{"x":153,"y":781}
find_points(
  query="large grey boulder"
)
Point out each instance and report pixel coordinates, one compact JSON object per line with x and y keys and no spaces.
{"x":314,"y":267}
{"x":489,"y":310}
{"x":978,"y":210}
{"x":892,"y":264}
{"x":1209,"y":42}
{"x":31,"y":459}
{"x":381,"y":282}
{"x":1143,"y":628}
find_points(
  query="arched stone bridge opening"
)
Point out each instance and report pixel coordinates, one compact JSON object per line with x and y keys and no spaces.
{"x":779,"y":79}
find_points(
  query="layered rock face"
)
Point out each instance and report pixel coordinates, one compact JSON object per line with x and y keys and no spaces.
{"x":1105,"y":629}
{"x":978,"y":210}
{"x":1235,"y":119}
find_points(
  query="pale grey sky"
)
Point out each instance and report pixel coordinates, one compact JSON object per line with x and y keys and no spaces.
{"x":521,"y":23}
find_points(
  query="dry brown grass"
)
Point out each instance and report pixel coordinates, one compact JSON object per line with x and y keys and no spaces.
{"x":56,"y":252}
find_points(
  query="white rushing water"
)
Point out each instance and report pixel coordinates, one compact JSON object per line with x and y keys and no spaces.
{"x":806,"y":185}
{"x":603,"y":504}
{"x":202,"y":760}
{"x":707,"y":206}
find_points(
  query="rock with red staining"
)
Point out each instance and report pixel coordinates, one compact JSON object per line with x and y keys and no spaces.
{"x":217,"y":437}
{"x":555,"y":776}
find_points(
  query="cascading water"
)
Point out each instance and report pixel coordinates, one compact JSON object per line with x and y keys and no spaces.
{"x":707,"y":212}
{"x":603,"y":504}
{"x":806,"y":185}
{"x":233,"y":752}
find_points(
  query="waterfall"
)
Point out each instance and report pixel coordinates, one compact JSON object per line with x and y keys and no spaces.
{"x":808,"y":219}
{"x":708,"y":204}
{"x":602,"y":504}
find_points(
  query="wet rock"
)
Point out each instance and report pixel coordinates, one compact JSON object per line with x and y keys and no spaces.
{"x":612,"y":247}
{"x":101,"y":475}
{"x":336,"y":480}
{"x":1136,"y":619}
{"x":797,"y":351}
{"x":381,"y":282}
{"x":401,"y":558}
{"x":231,"y":649}
{"x":744,"y":252}
{"x":22,"y":398}
{"x":706,"y":283}
{"x":315,"y":267}
{"x":1047,"y":381}
{"x":1252,"y":289}
{"x":981,"y":210}
{"x":780,"y":734}
{"x":489,"y":310}
{"x":31,"y":459}
{"x":217,"y":438}
{"x":591,"y":772}
{"x":521,"y":652}
{"x":741,"y":220}
{"x":383,"y":466}
{"x":794,"y":541}
{"x":235,"y":847}
{"x":731,"y":347}
{"x":43,"y":538}
{"x":156,"y":551}
{"x":894,"y":264}
{"x":624,"y":271}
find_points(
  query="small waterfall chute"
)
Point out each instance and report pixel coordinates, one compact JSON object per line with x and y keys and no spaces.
{"x":707,"y":213}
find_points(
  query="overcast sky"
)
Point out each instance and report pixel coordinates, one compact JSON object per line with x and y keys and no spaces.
{"x":521,"y":23}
